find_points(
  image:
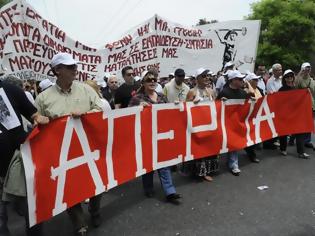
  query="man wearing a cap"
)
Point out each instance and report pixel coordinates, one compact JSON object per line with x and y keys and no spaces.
{"x":304,"y":80}
{"x":176,"y":90}
{"x":70,"y":97}
{"x":275,"y":81}
{"x":223,"y":78}
{"x":234,"y":91}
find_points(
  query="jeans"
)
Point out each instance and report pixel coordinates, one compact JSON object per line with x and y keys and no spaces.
{"x":232,"y":160}
{"x":165,"y":179}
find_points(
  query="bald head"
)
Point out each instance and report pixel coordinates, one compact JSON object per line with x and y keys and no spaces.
{"x":112,"y":82}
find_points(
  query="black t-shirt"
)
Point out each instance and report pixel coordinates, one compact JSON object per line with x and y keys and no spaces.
{"x":125,"y":92}
{"x":10,"y":139}
{"x":230,"y":93}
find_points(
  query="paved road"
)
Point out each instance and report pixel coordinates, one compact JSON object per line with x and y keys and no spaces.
{"x":228,"y":206}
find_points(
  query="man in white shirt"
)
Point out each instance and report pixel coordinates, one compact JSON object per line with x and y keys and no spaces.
{"x":223,"y":78}
{"x":275,"y":83}
{"x":176,"y":90}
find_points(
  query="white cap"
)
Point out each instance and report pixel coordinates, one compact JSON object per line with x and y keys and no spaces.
{"x":100,"y":82}
{"x":211,"y":73}
{"x":304,"y":65}
{"x":228,"y":64}
{"x":251,"y":76}
{"x":45,"y":84}
{"x":107,"y":74}
{"x":233,"y":74}
{"x":144,"y":73}
{"x":227,"y":72}
{"x":288,"y":72}
{"x":137,"y":78}
{"x":171,"y":74}
{"x":201,"y":71}
{"x":62,"y":58}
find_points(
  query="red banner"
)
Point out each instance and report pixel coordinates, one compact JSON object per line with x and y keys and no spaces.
{"x":70,"y":159}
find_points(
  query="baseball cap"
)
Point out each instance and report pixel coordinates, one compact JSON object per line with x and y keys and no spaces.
{"x":304,"y":65}
{"x":45,"y":84}
{"x":287,"y":72}
{"x":235,"y":74}
{"x":62,"y":58}
{"x":251,"y":76}
{"x":228,"y":64}
{"x":179,"y":72}
{"x":201,"y":71}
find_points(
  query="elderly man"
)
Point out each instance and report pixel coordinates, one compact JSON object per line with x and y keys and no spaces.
{"x":275,"y":81}
{"x":69,"y":97}
{"x":176,"y":90}
{"x":13,"y":105}
{"x":109,"y":91}
{"x":304,"y":80}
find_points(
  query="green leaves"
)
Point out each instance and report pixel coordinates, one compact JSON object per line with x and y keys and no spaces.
{"x":287,"y":31}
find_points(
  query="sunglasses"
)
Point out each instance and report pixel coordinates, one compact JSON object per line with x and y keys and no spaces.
{"x":71,"y":67}
{"x":150,"y":80}
{"x":130,"y":74}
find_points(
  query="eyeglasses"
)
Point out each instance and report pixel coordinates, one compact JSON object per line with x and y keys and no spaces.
{"x":130,"y":74}
{"x":150,"y":80}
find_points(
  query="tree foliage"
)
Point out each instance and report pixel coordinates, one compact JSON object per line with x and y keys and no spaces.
{"x":3,"y":2}
{"x":287,"y":31}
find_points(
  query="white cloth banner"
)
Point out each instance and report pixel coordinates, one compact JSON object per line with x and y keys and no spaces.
{"x":28,"y":43}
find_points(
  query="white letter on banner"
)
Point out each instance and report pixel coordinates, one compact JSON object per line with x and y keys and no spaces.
{"x":160,"y":136}
{"x":268,"y":117}
{"x":229,"y":102}
{"x":88,"y":158}
{"x":251,"y":109}
{"x":201,"y":128}
{"x":112,"y":182}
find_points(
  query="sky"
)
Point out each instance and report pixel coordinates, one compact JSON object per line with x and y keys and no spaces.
{"x":96,"y":22}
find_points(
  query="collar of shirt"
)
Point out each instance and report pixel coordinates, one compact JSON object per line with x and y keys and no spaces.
{"x":60,"y":90}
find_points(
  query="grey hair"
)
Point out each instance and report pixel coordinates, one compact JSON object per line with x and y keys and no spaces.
{"x":276,"y":66}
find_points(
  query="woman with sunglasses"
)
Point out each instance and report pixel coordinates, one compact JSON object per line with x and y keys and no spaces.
{"x":202,"y":168}
{"x":146,"y":96}
{"x":287,"y":85}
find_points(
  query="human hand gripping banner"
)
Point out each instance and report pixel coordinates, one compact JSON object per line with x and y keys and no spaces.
{"x":72,"y":159}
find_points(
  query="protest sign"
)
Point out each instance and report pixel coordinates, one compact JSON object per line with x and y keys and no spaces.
{"x":28,"y":42}
{"x":70,"y":160}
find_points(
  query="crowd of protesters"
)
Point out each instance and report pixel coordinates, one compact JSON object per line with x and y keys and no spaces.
{"x":38,"y":102}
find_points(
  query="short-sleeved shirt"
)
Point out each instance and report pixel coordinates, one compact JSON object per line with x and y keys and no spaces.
{"x":175,"y":92}
{"x":11,"y":138}
{"x":230,"y":93}
{"x":53,"y":102}
{"x":125,"y":92}
{"x":273,"y":85}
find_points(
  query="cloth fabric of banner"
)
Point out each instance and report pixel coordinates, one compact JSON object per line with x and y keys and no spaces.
{"x":70,"y":160}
